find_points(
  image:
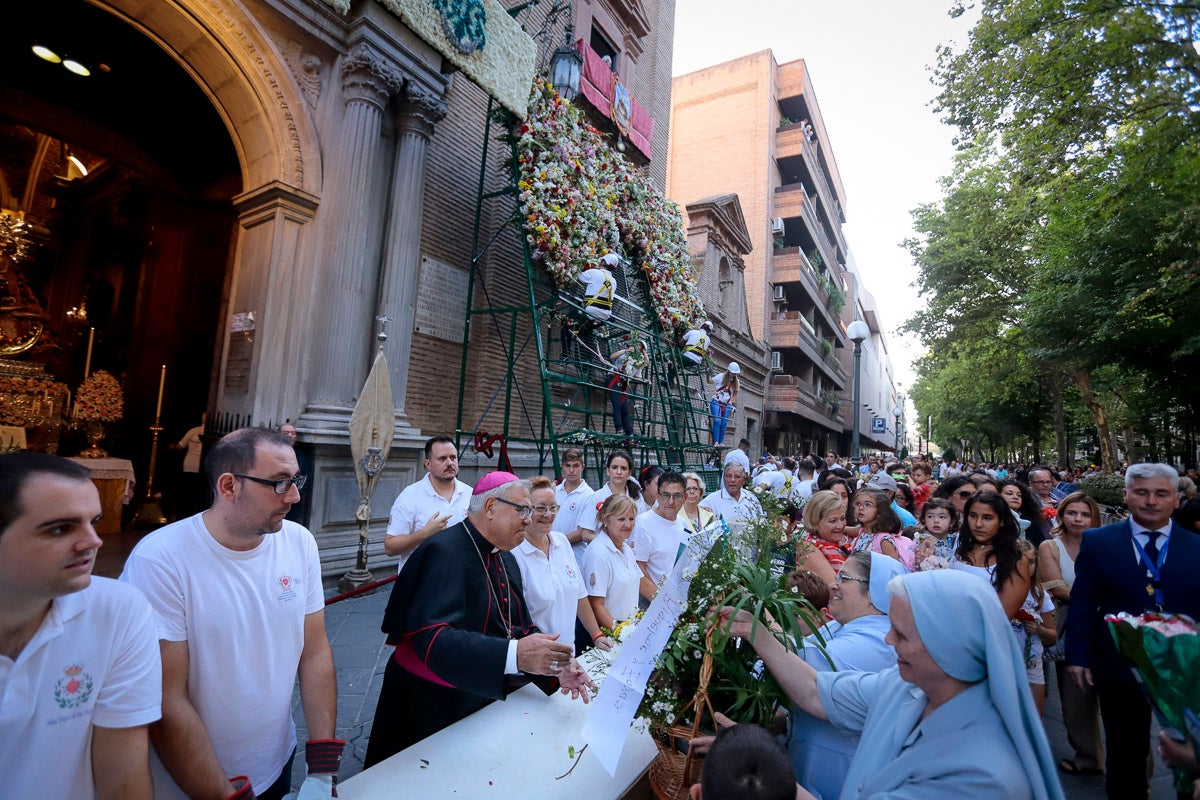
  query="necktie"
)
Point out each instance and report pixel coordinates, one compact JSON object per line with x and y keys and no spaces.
{"x":1152,"y":546}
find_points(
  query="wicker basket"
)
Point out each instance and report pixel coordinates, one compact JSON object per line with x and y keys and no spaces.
{"x":675,"y":768}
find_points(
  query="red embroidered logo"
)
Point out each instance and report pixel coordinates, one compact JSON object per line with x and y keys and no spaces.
{"x":75,"y":688}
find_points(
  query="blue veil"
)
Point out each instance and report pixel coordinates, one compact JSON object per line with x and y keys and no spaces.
{"x":963,"y":627}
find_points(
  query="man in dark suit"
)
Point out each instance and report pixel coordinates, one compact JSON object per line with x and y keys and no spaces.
{"x":1127,"y":567}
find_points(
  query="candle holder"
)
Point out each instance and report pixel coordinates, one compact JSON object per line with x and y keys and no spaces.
{"x":150,"y":511}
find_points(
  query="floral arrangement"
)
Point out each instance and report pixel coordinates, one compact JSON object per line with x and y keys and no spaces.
{"x":1049,"y":513}
{"x":736,"y":572}
{"x":100,"y":398}
{"x":1105,"y":488}
{"x":580,"y":199}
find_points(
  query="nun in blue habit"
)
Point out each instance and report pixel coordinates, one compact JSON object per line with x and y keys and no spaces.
{"x":854,"y":640}
{"x":954,"y":718}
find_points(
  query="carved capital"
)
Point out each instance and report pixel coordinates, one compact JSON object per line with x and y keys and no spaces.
{"x":420,"y":113}
{"x":368,"y":78}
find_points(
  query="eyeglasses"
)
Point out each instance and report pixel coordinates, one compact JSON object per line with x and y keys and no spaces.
{"x":692,"y":489}
{"x":540,"y":510}
{"x":671,"y":498}
{"x":842,"y":576}
{"x":280,"y":486}
{"x":526,"y":512}
{"x":964,"y":493}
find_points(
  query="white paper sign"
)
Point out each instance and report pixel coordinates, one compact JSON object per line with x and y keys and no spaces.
{"x":621,"y":693}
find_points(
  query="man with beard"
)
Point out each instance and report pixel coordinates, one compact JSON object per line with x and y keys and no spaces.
{"x":429,"y":505}
{"x":237,"y":592}
{"x":462,"y":633}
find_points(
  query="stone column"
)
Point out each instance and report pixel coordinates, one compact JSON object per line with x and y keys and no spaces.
{"x":402,"y":243}
{"x":343,"y":345}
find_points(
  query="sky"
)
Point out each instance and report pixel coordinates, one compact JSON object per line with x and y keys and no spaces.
{"x":869,"y":64}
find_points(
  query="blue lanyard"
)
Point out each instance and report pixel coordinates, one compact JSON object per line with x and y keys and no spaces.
{"x":1154,"y":571}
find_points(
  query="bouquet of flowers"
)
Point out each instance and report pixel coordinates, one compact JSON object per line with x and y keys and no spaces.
{"x":99,"y":398}
{"x":1164,"y":650}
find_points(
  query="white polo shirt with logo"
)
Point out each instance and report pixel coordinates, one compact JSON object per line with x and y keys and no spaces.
{"x":93,"y":661}
{"x":570,"y":506}
{"x":612,"y":574}
{"x":553,"y":586}
{"x":242,"y":614}
{"x":417,"y":504}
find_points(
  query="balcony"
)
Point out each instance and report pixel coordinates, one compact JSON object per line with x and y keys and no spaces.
{"x":792,"y":200}
{"x":788,"y":329}
{"x":597,"y":85}
{"x":787,"y":394}
{"x":790,"y":141}
{"x":790,"y":265}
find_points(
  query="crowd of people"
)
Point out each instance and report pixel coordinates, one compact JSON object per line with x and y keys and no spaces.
{"x":950,"y":593}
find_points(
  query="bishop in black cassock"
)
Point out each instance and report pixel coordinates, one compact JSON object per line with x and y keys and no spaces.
{"x":455,"y":607}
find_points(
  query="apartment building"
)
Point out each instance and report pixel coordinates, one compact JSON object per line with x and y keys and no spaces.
{"x":753,"y":127}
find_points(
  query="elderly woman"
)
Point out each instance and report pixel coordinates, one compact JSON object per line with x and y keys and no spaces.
{"x":553,"y":588}
{"x":858,"y":602}
{"x":695,"y":516}
{"x":953,"y":719}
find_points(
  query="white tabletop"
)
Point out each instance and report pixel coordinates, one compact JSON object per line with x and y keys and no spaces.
{"x":511,"y":749}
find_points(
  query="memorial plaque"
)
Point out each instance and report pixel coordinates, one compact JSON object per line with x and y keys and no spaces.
{"x":237,"y":364}
{"x":441,"y":300}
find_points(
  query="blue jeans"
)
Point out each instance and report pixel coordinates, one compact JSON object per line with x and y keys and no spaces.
{"x":720,"y":415}
{"x":620,"y":405}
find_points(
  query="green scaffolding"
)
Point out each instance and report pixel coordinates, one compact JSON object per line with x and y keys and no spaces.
{"x":570,"y":405}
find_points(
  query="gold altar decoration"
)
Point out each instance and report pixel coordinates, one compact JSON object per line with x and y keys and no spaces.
{"x":33,"y":400}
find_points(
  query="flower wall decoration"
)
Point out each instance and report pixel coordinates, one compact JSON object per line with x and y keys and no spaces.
{"x":580,"y":199}
{"x":100,"y":398}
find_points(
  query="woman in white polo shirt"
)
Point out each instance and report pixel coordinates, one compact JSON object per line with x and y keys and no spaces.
{"x":553,"y":586}
{"x":610,"y":572}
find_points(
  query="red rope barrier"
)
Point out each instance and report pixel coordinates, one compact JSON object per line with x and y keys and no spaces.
{"x":368,"y":587}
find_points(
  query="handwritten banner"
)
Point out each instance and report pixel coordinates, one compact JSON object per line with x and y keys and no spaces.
{"x":621,"y":693}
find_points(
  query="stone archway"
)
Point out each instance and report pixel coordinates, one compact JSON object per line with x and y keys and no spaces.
{"x":235,"y":63}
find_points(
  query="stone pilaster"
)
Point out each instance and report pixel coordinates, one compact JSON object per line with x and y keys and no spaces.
{"x":414,"y":124}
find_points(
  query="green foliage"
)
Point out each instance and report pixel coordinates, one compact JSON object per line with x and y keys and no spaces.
{"x":1066,"y":247}
{"x":1107,"y":489}
{"x":737,"y":572}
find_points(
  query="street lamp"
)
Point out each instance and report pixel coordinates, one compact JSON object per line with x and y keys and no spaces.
{"x":898,"y":412}
{"x":858,"y":332}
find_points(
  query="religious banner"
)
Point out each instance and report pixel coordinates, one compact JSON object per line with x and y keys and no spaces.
{"x":615,"y":705}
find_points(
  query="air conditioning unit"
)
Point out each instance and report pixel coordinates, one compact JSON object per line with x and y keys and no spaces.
{"x":777,"y":226}
{"x":777,"y":293}
{"x":776,"y":361}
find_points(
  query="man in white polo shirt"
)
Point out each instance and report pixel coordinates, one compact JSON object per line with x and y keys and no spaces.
{"x":429,"y":505}
{"x":571,"y":495}
{"x":80,"y":676}
{"x":731,"y":502}
{"x":659,"y":533}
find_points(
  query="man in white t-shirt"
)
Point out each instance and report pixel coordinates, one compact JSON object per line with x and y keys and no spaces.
{"x":80,"y":678}
{"x":237,"y":591}
{"x":571,"y":495}
{"x":600,"y":288}
{"x":695,"y":343}
{"x":431,"y":504}
{"x":731,"y":502}
{"x":659,"y":533}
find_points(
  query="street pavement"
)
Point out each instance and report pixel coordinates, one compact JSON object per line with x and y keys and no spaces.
{"x":360,"y":655}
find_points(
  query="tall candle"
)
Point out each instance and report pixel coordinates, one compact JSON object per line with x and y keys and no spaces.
{"x":87,"y":364}
{"x":162,"y":381}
